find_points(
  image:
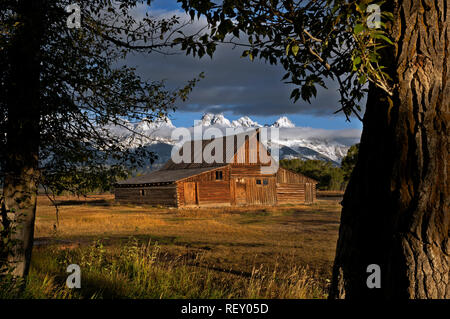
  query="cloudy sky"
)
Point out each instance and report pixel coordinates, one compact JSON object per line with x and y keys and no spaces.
{"x":236,"y":86}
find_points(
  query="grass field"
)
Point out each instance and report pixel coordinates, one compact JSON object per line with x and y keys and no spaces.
{"x":127,"y":251}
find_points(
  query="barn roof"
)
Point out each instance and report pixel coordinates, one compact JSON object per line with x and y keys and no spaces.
{"x":197,"y":152}
{"x":163,"y":176}
{"x":308,"y":179}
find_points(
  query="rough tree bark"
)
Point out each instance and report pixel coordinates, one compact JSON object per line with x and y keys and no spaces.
{"x":22,"y":149}
{"x":396,"y":206}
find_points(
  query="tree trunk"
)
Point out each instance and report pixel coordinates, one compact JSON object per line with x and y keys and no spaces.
{"x":22,"y":146}
{"x":396,"y":207}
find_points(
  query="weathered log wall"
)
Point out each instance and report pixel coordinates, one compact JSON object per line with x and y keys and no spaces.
{"x":290,"y":193}
{"x":150,"y":195}
{"x":294,"y":188}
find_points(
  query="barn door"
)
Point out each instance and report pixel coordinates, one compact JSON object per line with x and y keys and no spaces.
{"x":190,"y":193}
{"x":308,"y":193}
{"x":240,"y":192}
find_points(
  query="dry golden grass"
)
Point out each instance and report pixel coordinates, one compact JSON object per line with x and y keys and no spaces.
{"x":330,"y":193}
{"x":229,"y":239}
{"x":247,"y":252}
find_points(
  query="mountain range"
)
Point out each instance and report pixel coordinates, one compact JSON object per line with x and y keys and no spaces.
{"x":293,"y":142}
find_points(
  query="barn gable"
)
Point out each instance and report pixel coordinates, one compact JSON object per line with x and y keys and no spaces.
{"x":240,"y":149}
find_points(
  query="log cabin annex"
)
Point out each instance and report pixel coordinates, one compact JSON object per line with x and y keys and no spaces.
{"x":241,"y":178}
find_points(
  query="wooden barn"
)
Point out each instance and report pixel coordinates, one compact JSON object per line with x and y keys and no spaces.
{"x":241,"y":177}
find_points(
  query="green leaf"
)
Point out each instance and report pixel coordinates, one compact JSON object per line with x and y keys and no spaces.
{"x":361,"y":8}
{"x":356,"y":62}
{"x":287,"y":48}
{"x":362,"y":79}
{"x":295,"y":93}
{"x":358,"y":28}
{"x":295,"y":49}
{"x":373,"y":57}
{"x":377,"y":34}
{"x":387,"y":15}
{"x":382,"y":37}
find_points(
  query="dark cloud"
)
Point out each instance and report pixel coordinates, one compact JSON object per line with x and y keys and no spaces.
{"x":233,"y":84}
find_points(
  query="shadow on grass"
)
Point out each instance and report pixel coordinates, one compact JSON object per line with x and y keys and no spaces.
{"x":75,"y":202}
{"x":70,"y":242}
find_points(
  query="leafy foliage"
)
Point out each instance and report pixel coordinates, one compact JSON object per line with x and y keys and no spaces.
{"x":85,"y":88}
{"x":349,"y":161}
{"x":313,"y":40}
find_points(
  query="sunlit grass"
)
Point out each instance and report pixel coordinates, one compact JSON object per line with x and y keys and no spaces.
{"x":139,"y":270}
{"x":248,"y":252}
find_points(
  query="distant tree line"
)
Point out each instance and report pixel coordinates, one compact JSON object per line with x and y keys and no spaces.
{"x":329,"y":176}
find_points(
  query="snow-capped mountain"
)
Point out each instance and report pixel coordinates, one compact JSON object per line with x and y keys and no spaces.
{"x":303,"y":153}
{"x":210,"y":119}
{"x":283,"y":122}
{"x":244,"y":121}
{"x":293,"y":142}
{"x":149,"y":126}
{"x":145,"y":132}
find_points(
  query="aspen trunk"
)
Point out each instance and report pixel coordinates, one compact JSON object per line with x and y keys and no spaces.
{"x":396,"y":206}
{"x":22,"y":146}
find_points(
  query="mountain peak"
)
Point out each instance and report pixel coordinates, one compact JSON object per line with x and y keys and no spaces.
{"x":244,"y":121}
{"x":209,"y":119}
{"x":160,"y":122}
{"x":283,"y":121}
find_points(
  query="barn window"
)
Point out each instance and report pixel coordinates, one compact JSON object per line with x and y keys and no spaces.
{"x":219,"y":175}
{"x":142,"y":192}
{"x":265,"y":181}
{"x":258,"y":182}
